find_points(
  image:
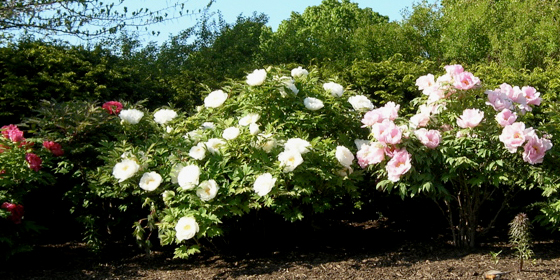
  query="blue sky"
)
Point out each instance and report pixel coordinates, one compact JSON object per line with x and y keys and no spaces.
{"x":276,"y":10}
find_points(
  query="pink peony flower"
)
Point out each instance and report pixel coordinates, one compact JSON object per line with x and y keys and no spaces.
{"x":419,"y":120}
{"x":513,"y":136}
{"x":398,"y":165}
{"x":15,"y":210}
{"x":470,"y":118}
{"x":390,"y":110}
{"x":371,"y":154}
{"x":372,"y":117}
{"x":435,"y":94}
{"x":425,"y":82}
{"x":506,"y":117}
{"x":13,"y":133}
{"x":453,"y":70}
{"x":387,"y":112}
{"x":535,"y":149}
{"x":531,"y":95}
{"x":54,"y":148}
{"x":113,"y":107}
{"x":429,"y":138}
{"x":498,"y":100}
{"x":387,"y":132}
{"x":465,"y":81}
{"x":34,"y":161}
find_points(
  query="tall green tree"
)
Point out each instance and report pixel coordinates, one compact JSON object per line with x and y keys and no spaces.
{"x":322,"y":34}
{"x":521,"y":34}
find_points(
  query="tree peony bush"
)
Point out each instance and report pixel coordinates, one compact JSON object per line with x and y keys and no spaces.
{"x":465,"y":146}
{"x":272,"y":141}
{"x":22,"y":170}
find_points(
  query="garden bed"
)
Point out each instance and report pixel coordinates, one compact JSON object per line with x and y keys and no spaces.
{"x":374,"y":249}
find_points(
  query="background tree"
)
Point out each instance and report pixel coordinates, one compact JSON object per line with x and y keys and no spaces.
{"x":82,"y":18}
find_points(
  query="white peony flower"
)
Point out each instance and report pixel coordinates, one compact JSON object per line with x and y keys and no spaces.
{"x":215,"y":99}
{"x":188,"y":177}
{"x":312,"y":103}
{"x":174,"y":174}
{"x":334,"y":89}
{"x":344,"y":156}
{"x":186,"y":228}
{"x":164,"y":115}
{"x":208,"y":125}
{"x":213,"y":145}
{"x":198,"y":152}
{"x":230,"y":133}
{"x":293,"y":88}
{"x":254,"y":129}
{"x":249,"y":119}
{"x":299,"y":72}
{"x":169,"y":129}
{"x":297,"y":144}
{"x":131,"y":116}
{"x":207,"y":190}
{"x":290,"y":159}
{"x":360,"y":103}
{"x":263,"y":184}
{"x":150,"y":181}
{"x":125,"y":169}
{"x":256,"y":78}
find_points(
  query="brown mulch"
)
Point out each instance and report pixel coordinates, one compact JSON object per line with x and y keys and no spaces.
{"x":345,"y":250}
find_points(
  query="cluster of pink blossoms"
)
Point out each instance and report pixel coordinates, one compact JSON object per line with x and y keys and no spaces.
{"x":387,"y":135}
{"x":508,"y":101}
{"x":14,"y":134}
{"x":454,"y":79}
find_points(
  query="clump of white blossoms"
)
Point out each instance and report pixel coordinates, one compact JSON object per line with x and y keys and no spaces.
{"x":131,"y":116}
{"x":297,"y":144}
{"x":344,"y":156}
{"x":207,"y":190}
{"x":299,"y":72}
{"x":289,"y":160}
{"x":188,"y":177}
{"x":230,"y":133}
{"x":125,"y":169}
{"x":198,"y":152}
{"x":186,"y":228}
{"x":256,"y":78}
{"x":213,"y":145}
{"x":334,"y":89}
{"x":215,"y":99}
{"x":164,"y":115}
{"x":249,"y":119}
{"x":360,"y":103}
{"x":150,"y":181}
{"x":313,"y":103}
{"x":254,"y":129}
{"x":264,"y":184}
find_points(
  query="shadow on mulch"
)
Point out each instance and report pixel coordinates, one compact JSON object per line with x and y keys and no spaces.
{"x":266,"y":247}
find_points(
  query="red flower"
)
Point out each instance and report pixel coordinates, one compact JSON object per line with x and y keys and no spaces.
{"x":16,"y":210}
{"x":54,"y":148}
{"x":34,"y":161}
{"x":113,"y":107}
{"x":13,"y":133}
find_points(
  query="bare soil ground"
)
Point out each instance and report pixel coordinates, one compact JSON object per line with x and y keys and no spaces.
{"x":373,"y":249}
